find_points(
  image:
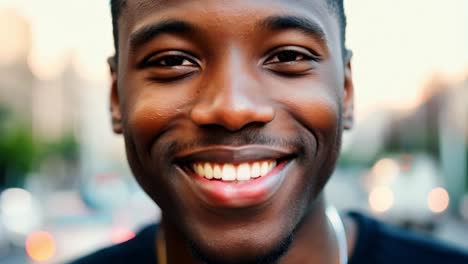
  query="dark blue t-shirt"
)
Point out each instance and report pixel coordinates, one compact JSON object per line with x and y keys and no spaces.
{"x":377,"y":243}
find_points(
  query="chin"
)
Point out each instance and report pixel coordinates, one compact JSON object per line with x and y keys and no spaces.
{"x":242,"y":250}
{"x":253,"y":240}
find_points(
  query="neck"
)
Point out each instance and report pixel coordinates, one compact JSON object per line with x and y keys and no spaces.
{"x":315,"y":240}
{"x":176,"y":247}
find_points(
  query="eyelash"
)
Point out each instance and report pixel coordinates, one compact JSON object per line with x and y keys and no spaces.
{"x":305,"y":57}
{"x":148,"y":62}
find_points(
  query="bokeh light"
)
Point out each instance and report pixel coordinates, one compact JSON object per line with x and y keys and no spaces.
{"x":385,"y":170}
{"x":386,"y":167}
{"x":438,"y":200}
{"x":40,"y":246}
{"x":381,"y":199}
{"x":19,"y":211}
{"x":15,"y":201}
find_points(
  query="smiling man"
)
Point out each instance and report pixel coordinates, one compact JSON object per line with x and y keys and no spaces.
{"x":232,"y":114}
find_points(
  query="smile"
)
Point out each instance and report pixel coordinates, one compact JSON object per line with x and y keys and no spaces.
{"x":233,"y":172}
{"x":235,"y":177}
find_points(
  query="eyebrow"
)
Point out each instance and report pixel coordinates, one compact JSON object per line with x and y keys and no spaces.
{"x":172,"y":26}
{"x":149,"y":32}
{"x":300,"y":23}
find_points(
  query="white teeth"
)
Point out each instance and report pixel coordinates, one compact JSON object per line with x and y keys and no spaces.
{"x":208,"y":171}
{"x":232,"y":172}
{"x":243,"y":172}
{"x":229,"y":172}
{"x":272,"y":165}
{"x":255,"y":170}
{"x":217,"y":173}
{"x":199,"y":170}
{"x":264,"y":168}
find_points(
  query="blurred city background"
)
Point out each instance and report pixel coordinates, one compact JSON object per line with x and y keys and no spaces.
{"x":65,"y":188}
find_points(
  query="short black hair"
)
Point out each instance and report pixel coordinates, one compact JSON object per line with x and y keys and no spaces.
{"x":336,"y":6}
{"x":116,"y":10}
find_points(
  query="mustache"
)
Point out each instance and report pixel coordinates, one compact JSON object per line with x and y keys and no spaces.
{"x":239,"y":138}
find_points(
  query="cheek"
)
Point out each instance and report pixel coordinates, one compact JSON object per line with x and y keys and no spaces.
{"x":318,"y":114}
{"x":149,"y":115}
{"x":316,"y":106}
{"x":146,"y":118}
{"x":151,"y":110}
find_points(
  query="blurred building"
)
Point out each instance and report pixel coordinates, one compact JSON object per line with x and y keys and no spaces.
{"x":16,"y":79}
{"x":56,"y":104}
{"x":45,"y":112}
{"x":439,"y":126}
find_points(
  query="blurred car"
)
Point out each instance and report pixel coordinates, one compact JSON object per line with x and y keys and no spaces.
{"x":407,"y":189}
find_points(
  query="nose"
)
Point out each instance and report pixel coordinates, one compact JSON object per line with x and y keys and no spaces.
{"x":232,"y":97}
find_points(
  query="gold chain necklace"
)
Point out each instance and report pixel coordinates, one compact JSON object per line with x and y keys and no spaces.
{"x":161,"y":247}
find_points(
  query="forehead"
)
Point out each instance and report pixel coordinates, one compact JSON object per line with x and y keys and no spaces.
{"x":150,"y":6}
{"x":138,"y":12}
{"x":224,"y":16}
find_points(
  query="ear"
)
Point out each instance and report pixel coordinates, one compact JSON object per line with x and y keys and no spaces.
{"x":348,"y":98}
{"x":114,"y":97}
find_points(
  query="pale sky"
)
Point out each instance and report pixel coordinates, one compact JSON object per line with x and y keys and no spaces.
{"x":398,"y":44}
{"x":80,"y":28}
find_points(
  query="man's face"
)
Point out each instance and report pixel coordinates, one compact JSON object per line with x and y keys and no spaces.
{"x":232,"y":113}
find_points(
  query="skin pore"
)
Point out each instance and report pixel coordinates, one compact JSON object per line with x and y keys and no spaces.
{"x":230,"y":82}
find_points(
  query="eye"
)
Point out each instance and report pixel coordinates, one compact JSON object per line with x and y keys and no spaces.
{"x":291,"y":55}
{"x":292,"y":61}
{"x":169,"y":66}
{"x":287,"y":56}
{"x":171,"y":61}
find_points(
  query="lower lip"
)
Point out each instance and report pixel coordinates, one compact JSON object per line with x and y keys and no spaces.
{"x":238,"y":194}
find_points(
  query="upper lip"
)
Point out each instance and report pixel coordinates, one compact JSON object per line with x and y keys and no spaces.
{"x":231,"y":154}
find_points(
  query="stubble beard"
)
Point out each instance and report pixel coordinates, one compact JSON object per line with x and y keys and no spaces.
{"x":271,"y":257}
